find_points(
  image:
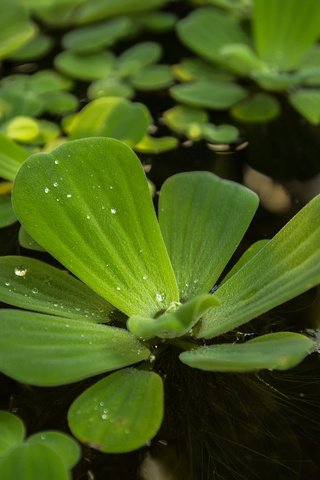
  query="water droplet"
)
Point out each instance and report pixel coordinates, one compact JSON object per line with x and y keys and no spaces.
{"x":56,"y":162}
{"x":152,"y":358}
{"x":103,"y":207}
{"x":78,"y":309}
{"x":56,"y":305}
{"x":159,"y":297}
{"x":55,"y":184}
{"x":111,"y":187}
{"x":67,"y":325}
{"x":88,"y":217}
{"x":101,"y":404}
{"x":46,"y":190}
{"x":43,"y":436}
{"x":145,"y":277}
{"x":104,"y":416}
{"x":82,"y":335}
{"x":113,"y":211}
{"x":7,"y":284}
{"x":58,"y":199}
{"x":69,"y":195}
{"x":35,"y":290}
{"x":20,"y":271}
{"x":118,"y":288}
{"x":195,"y":281}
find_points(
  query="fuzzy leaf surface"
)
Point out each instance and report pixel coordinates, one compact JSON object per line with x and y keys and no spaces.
{"x":45,"y":350}
{"x":95,"y":191}
{"x":202,"y":219}
{"x":120,"y":413}
{"x":274,"y":351}
{"x":285,"y":267}
{"x":33,"y":285}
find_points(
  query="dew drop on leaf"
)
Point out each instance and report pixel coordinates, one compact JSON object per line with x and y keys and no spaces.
{"x":46,"y":190}
{"x":113,"y":211}
{"x":20,"y":271}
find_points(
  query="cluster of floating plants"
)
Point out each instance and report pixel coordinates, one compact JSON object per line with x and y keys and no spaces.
{"x":132,"y":281}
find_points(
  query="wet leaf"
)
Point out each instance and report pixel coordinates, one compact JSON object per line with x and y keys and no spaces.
{"x":202,"y":219}
{"x":34,"y":285}
{"x":119,"y":413}
{"x":274,"y":351}
{"x":45,"y":350}
{"x":114,"y":242}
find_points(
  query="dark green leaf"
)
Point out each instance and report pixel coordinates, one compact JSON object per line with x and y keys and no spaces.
{"x":260,"y":107}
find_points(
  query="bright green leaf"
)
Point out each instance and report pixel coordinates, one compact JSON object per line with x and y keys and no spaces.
{"x":286,"y":266}
{"x":15,"y":27}
{"x":246,"y":257}
{"x":96,"y":191}
{"x":11,"y":157}
{"x":156,"y":145}
{"x":186,"y":120}
{"x":213,"y":95}
{"x":31,"y":462}
{"x":111,"y":117}
{"x":307,"y":103}
{"x":202,"y":219}
{"x":31,"y":284}
{"x":219,"y":133}
{"x":120,"y":413}
{"x":37,"y":47}
{"x":274,"y":351}
{"x":284,"y":31}
{"x":48,"y":81}
{"x":12,"y":432}
{"x":260,"y":107}
{"x":175,"y":322}
{"x":65,"y":447}
{"x":45,"y":350}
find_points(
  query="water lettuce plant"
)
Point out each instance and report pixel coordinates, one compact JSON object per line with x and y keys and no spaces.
{"x":141,"y":283}
{"x":279,"y":54}
{"x":48,"y":454}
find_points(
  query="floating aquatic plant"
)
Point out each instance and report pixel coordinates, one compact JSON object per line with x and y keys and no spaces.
{"x":141,"y":282}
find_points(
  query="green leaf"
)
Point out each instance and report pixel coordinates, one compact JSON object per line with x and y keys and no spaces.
{"x":30,"y":462}
{"x":137,"y":57}
{"x":110,"y":87}
{"x":158,"y":21}
{"x":120,"y":413}
{"x":156,"y":145}
{"x":11,"y":157}
{"x":62,"y":444}
{"x":12,"y":432}
{"x":175,"y":322}
{"x":213,"y":95}
{"x":15,"y":28}
{"x":153,"y":77}
{"x":307,"y":103}
{"x":26,"y":241}
{"x":259,"y":108}
{"x":45,"y":350}
{"x":7,"y":215}
{"x":220,"y":133}
{"x":284,"y":31}
{"x":60,"y":102}
{"x":274,"y":351}
{"x":241,"y":58}
{"x":206,"y":30}
{"x":246,"y":257}
{"x":47,"y":81}
{"x":109,"y":218}
{"x":191,"y":69}
{"x":37,"y":47}
{"x":95,"y":37}
{"x":34,"y":285}
{"x":85,"y":67}
{"x":22,"y":129}
{"x":202,"y":219}
{"x":111,"y":117}
{"x":186,"y":120}
{"x":285,"y":267}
